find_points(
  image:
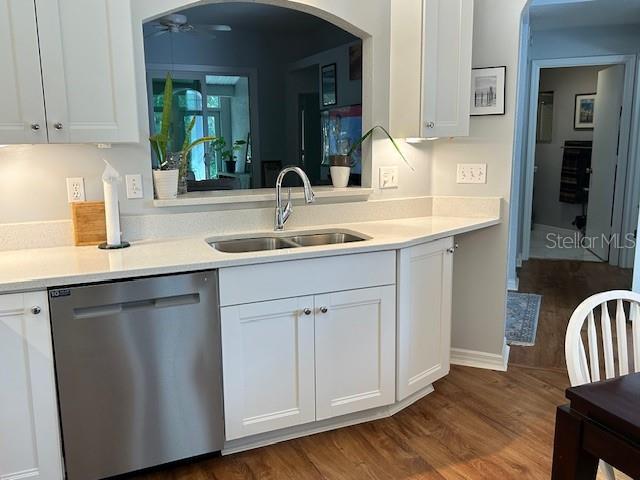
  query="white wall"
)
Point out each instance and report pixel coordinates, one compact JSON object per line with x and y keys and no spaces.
{"x":32,"y":186}
{"x":565,"y":83}
{"x":480,"y":265}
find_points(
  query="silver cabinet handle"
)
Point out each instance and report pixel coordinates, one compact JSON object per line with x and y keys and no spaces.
{"x":430,"y":124}
{"x":453,"y":249}
{"x":36,"y":310}
{"x":307,"y":311}
{"x":58,"y":126}
{"x":324,"y":309}
{"x":35,"y":127}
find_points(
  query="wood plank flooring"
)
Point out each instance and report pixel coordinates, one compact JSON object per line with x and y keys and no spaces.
{"x":478,"y":424}
{"x":563,"y":285}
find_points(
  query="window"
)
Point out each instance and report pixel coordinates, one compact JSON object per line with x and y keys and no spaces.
{"x":224,"y":114}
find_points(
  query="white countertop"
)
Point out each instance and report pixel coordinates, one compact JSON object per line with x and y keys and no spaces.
{"x":36,"y":269}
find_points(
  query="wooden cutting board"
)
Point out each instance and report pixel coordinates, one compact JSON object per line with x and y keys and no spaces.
{"x":89,"y":226}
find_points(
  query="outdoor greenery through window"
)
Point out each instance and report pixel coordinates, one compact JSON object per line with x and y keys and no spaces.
{"x":225,"y":115}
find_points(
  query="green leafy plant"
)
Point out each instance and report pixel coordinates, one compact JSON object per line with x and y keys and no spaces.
{"x":228,"y":153}
{"x":160,"y":141}
{"x":368,"y":134}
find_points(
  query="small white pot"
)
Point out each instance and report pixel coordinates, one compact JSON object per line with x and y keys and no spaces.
{"x":166,"y":183}
{"x":340,"y":176}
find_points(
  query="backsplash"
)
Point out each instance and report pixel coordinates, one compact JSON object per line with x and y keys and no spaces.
{"x":18,"y":236}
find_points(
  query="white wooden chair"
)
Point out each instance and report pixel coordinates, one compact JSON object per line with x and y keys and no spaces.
{"x":583,"y":370}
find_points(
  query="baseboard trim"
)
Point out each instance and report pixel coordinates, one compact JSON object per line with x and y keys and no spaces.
{"x":487,"y":361}
{"x":270,"y":438}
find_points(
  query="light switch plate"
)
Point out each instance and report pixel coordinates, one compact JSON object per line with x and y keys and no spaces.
{"x":472,"y":173}
{"x":134,"y":186}
{"x":75,"y":189}
{"x":388,"y":177}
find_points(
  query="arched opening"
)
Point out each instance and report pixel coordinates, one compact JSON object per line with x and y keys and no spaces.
{"x":303,"y":83}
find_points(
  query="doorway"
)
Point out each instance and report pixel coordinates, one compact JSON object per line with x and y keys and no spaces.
{"x":576,"y":158}
{"x":576,"y":181}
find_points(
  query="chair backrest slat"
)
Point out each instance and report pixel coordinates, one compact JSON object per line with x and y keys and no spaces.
{"x":607,"y":341}
{"x":621,"y":336}
{"x":584,"y":368}
{"x":635,"y":320}
{"x":593,"y":348}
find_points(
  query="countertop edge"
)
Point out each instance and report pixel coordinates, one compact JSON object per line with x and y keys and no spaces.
{"x":29,"y":285}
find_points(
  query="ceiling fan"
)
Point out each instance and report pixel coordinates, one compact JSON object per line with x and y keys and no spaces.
{"x":178,"y":23}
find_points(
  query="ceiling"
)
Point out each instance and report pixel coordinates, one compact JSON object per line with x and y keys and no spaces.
{"x":256,"y":17}
{"x":554,"y":14}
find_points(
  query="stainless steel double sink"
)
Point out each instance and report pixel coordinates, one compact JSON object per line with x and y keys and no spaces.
{"x":259,"y":244}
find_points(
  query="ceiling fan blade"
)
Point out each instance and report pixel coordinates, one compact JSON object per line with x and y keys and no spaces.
{"x":200,"y":33}
{"x":156,"y":34}
{"x":215,"y":28}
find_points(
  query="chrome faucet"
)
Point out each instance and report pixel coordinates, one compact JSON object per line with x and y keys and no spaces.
{"x":282,"y":214}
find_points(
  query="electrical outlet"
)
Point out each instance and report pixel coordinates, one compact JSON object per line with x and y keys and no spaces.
{"x":388,"y":177}
{"x":472,"y":173}
{"x":134,"y":186}
{"x":75,"y":190}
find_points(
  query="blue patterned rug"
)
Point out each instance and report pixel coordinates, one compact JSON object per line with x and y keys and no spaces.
{"x":523,"y":310}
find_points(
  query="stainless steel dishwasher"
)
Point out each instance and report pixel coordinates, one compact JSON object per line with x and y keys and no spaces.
{"x":138,"y":367}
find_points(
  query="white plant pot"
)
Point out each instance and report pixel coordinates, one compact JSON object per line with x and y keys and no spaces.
{"x":166,"y":183}
{"x":340,"y":176}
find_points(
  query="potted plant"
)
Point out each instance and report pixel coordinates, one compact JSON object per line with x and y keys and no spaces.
{"x":169,"y":178}
{"x":341,"y":165}
{"x":228,"y":154}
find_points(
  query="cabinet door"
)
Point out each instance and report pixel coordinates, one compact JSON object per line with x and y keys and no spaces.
{"x":355,"y":351}
{"x":447,"y":48}
{"x":88,"y":70}
{"x":29,"y":434}
{"x":267,"y":356}
{"x":424,"y":315}
{"x":22,"y":118}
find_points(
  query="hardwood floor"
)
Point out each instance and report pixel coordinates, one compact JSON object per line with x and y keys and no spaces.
{"x":563,"y":286}
{"x":478,"y":424}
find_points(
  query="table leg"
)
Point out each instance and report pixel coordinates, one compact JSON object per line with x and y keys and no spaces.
{"x":570,"y":461}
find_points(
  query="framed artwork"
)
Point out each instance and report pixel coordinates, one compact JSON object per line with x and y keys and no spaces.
{"x":488,"y":91}
{"x":585,"y":105}
{"x":355,"y":62}
{"x":329,"y":85}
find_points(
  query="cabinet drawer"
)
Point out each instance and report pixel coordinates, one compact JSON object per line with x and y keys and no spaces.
{"x":257,"y":283}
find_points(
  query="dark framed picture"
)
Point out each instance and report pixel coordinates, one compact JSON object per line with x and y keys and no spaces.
{"x":585,"y":106}
{"x":488,"y":87}
{"x":355,"y":62}
{"x":328,"y":74}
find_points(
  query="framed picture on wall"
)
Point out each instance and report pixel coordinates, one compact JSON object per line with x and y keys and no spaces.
{"x":329,"y":85}
{"x":585,"y":105}
{"x":488,"y":91}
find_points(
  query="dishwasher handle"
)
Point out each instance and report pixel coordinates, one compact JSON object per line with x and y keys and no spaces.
{"x":136,"y":305}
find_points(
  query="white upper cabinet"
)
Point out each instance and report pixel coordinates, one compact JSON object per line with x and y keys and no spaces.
{"x":72,"y":76}
{"x":424,"y":315}
{"x":22,"y":117}
{"x":29,"y":431}
{"x":88,"y":73}
{"x":431,"y":68}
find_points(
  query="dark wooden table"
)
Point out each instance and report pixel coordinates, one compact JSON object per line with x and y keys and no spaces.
{"x":602,"y":422}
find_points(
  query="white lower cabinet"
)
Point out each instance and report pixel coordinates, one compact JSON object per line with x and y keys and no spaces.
{"x":29,"y":428}
{"x":355,"y":351}
{"x":268,"y":355}
{"x":295,"y":361}
{"x":424,"y":315}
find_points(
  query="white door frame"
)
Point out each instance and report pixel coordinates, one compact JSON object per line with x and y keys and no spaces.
{"x":624,"y":183}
